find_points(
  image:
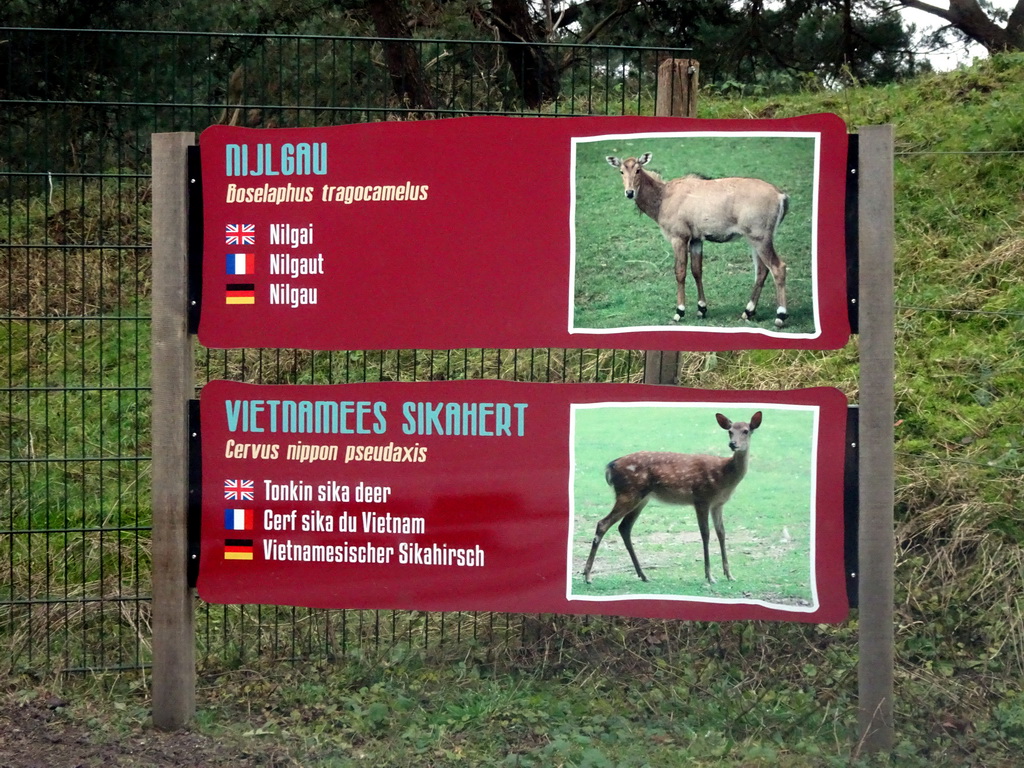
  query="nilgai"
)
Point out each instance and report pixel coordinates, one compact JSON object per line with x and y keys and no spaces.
{"x":692,"y":209}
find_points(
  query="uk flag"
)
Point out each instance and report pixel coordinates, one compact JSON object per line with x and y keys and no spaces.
{"x":239,"y":490}
{"x":240,"y":234}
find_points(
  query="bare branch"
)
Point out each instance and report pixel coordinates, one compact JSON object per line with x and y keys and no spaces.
{"x":621,"y":10}
{"x":971,"y":19}
{"x":942,"y":13}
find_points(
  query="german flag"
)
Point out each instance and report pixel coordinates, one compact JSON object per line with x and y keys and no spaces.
{"x":240,"y":293}
{"x":238,"y":549}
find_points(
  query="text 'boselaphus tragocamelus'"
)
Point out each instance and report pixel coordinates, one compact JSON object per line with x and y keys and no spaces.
{"x":692,"y":209}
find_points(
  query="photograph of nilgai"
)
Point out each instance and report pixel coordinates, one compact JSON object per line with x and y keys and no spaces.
{"x":710,"y":502}
{"x":703,"y":232}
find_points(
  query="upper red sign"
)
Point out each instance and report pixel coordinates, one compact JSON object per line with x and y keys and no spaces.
{"x":623,"y":232}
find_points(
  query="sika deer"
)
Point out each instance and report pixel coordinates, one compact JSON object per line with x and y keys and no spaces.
{"x":692,"y":209}
{"x":705,"y":482}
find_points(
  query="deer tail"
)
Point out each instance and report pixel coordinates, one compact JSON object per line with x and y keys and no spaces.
{"x":609,"y":471}
{"x":783,"y":209}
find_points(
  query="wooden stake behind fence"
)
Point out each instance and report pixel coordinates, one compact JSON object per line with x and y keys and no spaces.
{"x":677,"y":88}
{"x":677,"y":97}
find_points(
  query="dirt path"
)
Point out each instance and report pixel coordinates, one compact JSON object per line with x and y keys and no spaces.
{"x":43,"y":733}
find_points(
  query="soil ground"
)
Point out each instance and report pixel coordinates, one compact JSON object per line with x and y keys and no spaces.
{"x":45,"y":732}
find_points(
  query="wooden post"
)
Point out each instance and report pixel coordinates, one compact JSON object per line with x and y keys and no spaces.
{"x":877,"y":473}
{"x":174,"y":664}
{"x":677,"y":97}
{"x":677,"y":88}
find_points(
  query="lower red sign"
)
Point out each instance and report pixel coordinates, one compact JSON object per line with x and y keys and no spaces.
{"x":505,"y":496}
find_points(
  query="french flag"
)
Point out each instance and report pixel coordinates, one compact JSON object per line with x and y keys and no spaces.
{"x":241,"y":264}
{"x":238,"y":519}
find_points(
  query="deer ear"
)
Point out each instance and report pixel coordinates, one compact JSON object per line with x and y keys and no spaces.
{"x":723,"y":422}
{"x":644,"y":159}
{"x":614,"y":162}
{"x":755,"y":421}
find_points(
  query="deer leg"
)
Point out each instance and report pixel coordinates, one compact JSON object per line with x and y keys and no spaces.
{"x":624,"y":506}
{"x":760,"y":274}
{"x":697,"y":269}
{"x":702,"y":523}
{"x":681,"y":249}
{"x":716,"y":516}
{"x":625,"y":529}
{"x":765,"y":260}
{"x":778,"y":268}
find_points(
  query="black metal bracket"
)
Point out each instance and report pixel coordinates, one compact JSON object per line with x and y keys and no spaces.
{"x":852,"y":235}
{"x":195,"y":491}
{"x":195,"y":238}
{"x":851,"y":503}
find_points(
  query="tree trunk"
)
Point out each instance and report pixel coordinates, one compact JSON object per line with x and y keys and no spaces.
{"x":400,"y":58}
{"x":849,"y":46}
{"x":969,"y":18}
{"x":534,"y":72}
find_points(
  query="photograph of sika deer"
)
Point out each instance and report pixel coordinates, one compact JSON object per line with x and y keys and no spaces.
{"x":697,"y":480}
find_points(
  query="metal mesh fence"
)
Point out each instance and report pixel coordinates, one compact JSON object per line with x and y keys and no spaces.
{"x":78,"y":108}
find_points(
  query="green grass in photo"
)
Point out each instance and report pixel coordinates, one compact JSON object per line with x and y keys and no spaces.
{"x":767,"y":520}
{"x":624,"y":267}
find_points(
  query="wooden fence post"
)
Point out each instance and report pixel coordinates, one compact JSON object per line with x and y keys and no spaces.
{"x":677,"y":97}
{"x":174,"y":664}
{"x":677,"y":88}
{"x":877,"y":473}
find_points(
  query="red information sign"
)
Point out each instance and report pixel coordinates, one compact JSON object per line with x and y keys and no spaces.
{"x":523,"y":232}
{"x":486,"y":496}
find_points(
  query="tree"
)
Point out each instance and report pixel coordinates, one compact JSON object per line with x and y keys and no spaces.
{"x":534,"y":72}
{"x":402,"y":62}
{"x":740,"y":43}
{"x":979,"y":22}
{"x":775,"y":44}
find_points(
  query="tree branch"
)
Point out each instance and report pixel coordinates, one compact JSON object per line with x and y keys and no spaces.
{"x":970,"y":18}
{"x":928,"y":8}
{"x":621,"y":10}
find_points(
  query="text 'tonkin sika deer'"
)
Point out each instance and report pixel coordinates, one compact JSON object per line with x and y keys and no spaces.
{"x":704,"y":482}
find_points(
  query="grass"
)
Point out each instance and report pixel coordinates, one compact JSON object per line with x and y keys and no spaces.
{"x":620,"y":694}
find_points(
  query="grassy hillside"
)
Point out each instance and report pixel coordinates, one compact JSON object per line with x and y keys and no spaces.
{"x":959,"y":330}
{"x":605,"y":693}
